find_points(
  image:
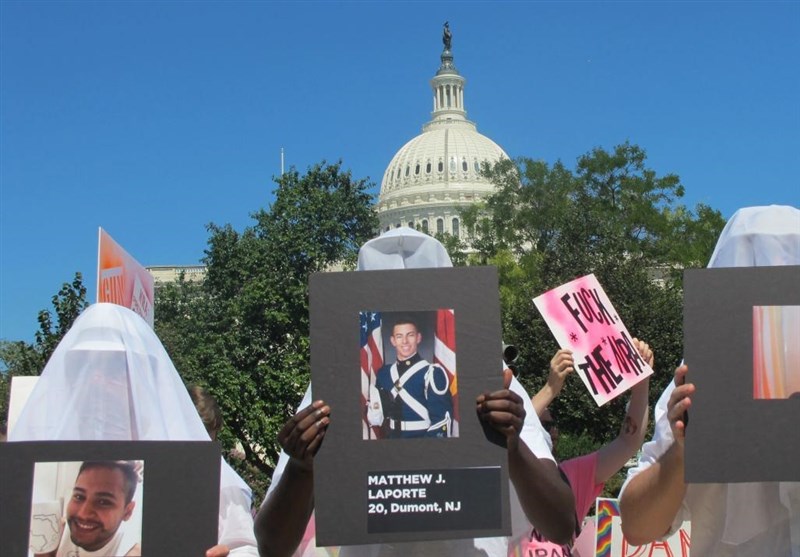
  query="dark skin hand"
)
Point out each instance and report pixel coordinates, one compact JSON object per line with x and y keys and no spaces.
{"x":280,"y":523}
{"x":545,"y":497}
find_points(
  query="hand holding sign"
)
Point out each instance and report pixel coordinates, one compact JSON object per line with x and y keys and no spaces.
{"x":561,"y":365}
{"x":503,"y":410}
{"x":584,"y":321}
{"x":303,"y":433}
{"x":679,"y":403}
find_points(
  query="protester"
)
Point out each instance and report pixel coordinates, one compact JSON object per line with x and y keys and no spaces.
{"x":110,"y":379}
{"x":587,"y":474}
{"x":742,"y":519}
{"x":537,"y":490}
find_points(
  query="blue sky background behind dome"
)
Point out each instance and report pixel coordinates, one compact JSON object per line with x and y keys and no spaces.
{"x":152,"y":119}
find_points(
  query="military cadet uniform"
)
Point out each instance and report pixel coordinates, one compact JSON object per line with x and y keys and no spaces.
{"x":416,"y":399}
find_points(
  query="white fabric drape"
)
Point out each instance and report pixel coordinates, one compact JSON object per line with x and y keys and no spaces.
{"x":110,"y":379}
{"x":740,"y":519}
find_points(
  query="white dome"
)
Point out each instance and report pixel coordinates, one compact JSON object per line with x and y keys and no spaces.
{"x":439,"y":171}
{"x":449,"y":158}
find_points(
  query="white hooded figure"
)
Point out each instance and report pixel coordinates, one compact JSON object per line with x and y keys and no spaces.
{"x":110,"y":379}
{"x":737,"y":519}
{"x":405,"y":248}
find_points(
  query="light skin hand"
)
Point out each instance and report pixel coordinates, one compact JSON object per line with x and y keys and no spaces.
{"x":561,"y":365}
{"x":218,"y":551}
{"x":679,"y":402}
{"x":613,"y":456}
{"x":644,"y":351}
{"x":653,"y":497}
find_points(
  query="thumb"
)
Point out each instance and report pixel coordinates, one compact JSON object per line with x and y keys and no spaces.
{"x":507,"y":376}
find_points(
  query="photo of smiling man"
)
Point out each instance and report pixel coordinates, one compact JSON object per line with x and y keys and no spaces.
{"x":412,"y":392}
{"x":96,"y":513}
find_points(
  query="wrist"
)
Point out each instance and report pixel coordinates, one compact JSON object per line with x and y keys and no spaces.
{"x":552,"y":390}
{"x":300,"y":468}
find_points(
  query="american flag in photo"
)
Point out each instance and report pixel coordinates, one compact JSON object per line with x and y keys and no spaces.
{"x":444,"y":354}
{"x":371,"y":361}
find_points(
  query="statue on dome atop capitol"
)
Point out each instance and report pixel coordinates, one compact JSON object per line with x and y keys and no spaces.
{"x":447,"y":36}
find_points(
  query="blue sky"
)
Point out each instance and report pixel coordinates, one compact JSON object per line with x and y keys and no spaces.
{"x":152,"y":119}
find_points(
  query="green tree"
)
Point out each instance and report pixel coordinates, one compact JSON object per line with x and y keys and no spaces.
{"x":22,"y":358}
{"x":611,"y":216}
{"x":243,"y":332}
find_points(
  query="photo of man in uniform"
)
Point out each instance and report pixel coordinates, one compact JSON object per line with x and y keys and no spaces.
{"x":411,"y":397}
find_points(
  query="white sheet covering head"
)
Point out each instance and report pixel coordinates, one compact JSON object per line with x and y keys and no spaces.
{"x":110,"y":379}
{"x":402,"y":248}
{"x":741,"y":519}
{"x":405,"y":248}
{"x":758,"y":237}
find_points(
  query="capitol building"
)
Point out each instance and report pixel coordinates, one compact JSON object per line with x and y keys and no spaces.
{"x":438,"y":173}
{"x":431,"y":178}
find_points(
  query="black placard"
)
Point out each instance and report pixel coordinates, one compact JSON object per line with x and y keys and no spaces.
{"x":429,"y":500}
{"x":181,"y":490}
{"x":732,"y":435}
{"x":338,"y":302}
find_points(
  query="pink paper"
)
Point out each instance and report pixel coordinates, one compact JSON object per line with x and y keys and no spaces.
{"x":583,"y":320}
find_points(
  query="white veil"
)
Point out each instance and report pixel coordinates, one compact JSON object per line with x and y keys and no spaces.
{"x":402,"y":248}
{"x":756,"y":237}
{"x":110,"y":379}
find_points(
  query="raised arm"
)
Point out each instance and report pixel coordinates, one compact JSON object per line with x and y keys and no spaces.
{"x":561,"y":365}
{"x":545,"y":497}
{"x":282,"y":519}
{"x":612,"y":457}
{"x":652,"y":497}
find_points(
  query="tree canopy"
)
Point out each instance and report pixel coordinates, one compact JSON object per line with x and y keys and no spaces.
{"x":612,"y":216}
{"x":243,"y":332}
{"x":22,"y":358}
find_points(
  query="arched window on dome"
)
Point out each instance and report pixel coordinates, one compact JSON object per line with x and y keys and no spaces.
{"x":408,"y":169}
{"x":416,"y":170}
{"x":398,"y":225}
{"x":428,"y":167}
{"x":441,"y":165}
{"x":455,"y":227}
{"x":411,"y":224}
{"x":452,"y":164}
{"x":464,"y":165}
{"x":398,"y":172}
{"x":440,"y":226}
{"x":425,"y":225}
{"x":477,"y":166}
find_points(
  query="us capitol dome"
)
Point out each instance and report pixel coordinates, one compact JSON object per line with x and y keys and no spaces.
{"x":438,"y":172}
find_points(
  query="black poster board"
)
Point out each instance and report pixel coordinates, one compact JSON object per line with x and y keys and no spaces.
{"x":732,"y":435}
{"x":406,"y":489}
{"x":181,"y":490}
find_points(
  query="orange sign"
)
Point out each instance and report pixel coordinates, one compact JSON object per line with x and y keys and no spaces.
{"x":122,"y":280}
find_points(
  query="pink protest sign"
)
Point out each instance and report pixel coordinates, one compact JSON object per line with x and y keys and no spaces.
{"x":122,"y":280}
{"x":582,"y":319}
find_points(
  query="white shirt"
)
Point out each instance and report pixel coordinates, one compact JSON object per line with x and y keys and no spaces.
{"x":112,"y":549}
{"x":741,"y":520}
{"x":533,"y":435}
